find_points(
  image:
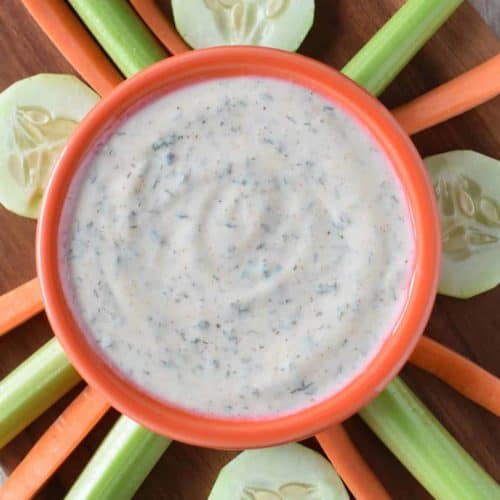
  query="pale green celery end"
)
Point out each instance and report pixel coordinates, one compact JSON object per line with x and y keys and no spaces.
{"x":120,"y":464}
{"x":32,"y":387}
{"x":376,"y":65}
{"x":425,"y":447}
{"x":121,"y":33}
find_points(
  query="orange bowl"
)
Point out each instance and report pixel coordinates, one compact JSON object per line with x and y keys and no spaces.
{"x":214,"y":431}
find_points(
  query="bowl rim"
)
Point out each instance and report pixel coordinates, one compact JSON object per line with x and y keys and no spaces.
{"x":210,"y":430}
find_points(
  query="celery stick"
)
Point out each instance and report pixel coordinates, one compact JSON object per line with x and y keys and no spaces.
{"x":32,"y":387}
{"x":424,"y":446}
{"x":120,"y":464}
{"x":121,"y":33}
{"x":391,"y":48}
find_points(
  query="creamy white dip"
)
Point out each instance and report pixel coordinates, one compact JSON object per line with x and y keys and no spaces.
{"x":240,"y":247}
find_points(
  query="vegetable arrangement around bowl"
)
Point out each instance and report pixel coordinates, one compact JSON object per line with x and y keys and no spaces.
{"x":467,"y":190}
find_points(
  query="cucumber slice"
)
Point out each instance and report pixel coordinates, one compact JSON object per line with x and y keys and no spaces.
{"x":467,"y":186}
{"x":37,"y":115}
{"x":289,"y":472}
{"x":282,"y":24}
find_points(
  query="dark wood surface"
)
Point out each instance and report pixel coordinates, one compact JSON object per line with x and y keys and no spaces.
{"x":471,"y":327}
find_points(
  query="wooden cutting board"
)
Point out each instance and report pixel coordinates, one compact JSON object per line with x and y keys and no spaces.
{"x":471,"y":327}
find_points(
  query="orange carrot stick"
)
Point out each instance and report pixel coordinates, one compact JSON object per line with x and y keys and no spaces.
{"x":351,"y":467}
{"x":452,"y":98}
{"x":155,"y":19}
{"x":55,"y":445}
{"x":463,"y":375}
{"x":20,"y":304}
{"x":75,"y":44}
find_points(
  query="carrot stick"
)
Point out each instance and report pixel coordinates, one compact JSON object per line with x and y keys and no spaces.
{"x":463,"y":375}
{"x":66,"y":32}
{"x":452,"y":98}
{"x":55,"y":445}
{"x":350,"y":465}
{"x":155,"y":19}
{"x":20,"y":304}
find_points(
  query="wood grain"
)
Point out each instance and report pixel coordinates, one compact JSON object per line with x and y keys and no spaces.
{"x":472,"y":327}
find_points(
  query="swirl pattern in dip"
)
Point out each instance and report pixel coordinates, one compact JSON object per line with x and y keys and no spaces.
{"x":239,"y":247}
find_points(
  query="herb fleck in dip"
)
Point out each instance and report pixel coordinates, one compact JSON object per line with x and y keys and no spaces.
{"x":238,"y":247}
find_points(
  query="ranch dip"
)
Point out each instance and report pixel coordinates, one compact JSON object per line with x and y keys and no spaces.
{"x":239,"y":247}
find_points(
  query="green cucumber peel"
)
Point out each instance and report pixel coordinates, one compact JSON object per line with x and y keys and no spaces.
{"x":288,"y":472}
{"x":282,"y":24}
{"x":37,"y":116}
{"x":467,"y":187}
